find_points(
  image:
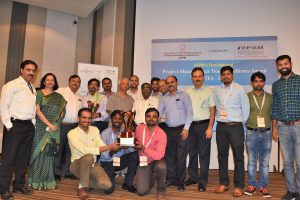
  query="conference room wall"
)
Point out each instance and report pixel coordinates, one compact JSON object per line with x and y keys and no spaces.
{"x":5,"y":16}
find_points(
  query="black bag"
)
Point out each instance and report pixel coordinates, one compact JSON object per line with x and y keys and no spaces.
{"x":52,"y":148}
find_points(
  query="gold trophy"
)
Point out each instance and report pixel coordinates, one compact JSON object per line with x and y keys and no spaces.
{"x":127,"y":137}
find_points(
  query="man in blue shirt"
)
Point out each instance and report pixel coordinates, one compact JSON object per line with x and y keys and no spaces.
{"x":286,"y":123}
{"x":233,"y":109}
{"x":128,"y":156}
{"x":177,"y":107}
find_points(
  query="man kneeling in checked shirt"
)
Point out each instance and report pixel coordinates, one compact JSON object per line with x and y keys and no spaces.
{"x":85,"y":144}
{"x":152,"y":142}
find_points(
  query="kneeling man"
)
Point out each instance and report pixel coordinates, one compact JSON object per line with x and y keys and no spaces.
{"x":152,"y":142}
{"x":85,"y":144}
{"x":124,"y":156}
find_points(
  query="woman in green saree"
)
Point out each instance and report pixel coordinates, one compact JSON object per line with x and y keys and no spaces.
{"x":49,"y":110}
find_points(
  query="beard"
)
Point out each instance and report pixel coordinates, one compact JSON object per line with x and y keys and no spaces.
{"x":151,"y":123}
{"x":285,"y":71}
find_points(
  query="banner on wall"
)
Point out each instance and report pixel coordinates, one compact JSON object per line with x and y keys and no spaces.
{"x":89,"y":71}
{"x":245,"y":54}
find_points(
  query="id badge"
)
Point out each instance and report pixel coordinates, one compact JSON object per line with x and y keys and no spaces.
{"x":116,"y":162}
{"x":261,"y":122}
{"x":143,"y":161}
{"x":223,"y":114}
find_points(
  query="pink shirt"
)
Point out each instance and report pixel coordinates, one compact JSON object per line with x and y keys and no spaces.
{"x":155,"y":143}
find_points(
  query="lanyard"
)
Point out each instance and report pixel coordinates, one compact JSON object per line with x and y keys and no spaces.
{"x":144,"y":135}
{"x":262,"y":103}
{"x":227,"y":95}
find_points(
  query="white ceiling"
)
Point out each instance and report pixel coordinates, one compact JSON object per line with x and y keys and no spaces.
{"x":81,"y":8}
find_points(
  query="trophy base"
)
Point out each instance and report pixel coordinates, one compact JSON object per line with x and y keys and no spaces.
{"x":127,"y":142}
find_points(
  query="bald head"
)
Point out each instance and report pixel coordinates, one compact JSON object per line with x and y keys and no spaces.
{"x":124,"y":84}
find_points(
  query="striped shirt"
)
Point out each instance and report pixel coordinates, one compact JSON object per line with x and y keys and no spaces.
{"x":286,"y":98}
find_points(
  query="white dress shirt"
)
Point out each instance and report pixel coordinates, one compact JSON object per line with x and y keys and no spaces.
{"x":101,"y":100}
{"x":136,"y":96}
{"x":73,"y":104}
{"x":82,"y":143}
{"x":17,"y":101}
{"x":141,"y":105}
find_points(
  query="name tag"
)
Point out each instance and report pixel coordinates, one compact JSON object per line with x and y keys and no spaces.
{"x":223,"y":114}
{"x":261,"y":122}
{"x":143,"y":161}
{"x":116,"y":162}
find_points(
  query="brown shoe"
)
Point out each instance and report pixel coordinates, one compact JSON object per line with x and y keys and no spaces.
{"x":221,"y":189}
{"x":82,"y":193}
{"x":237,"y":192}
{"x":161,"y":197}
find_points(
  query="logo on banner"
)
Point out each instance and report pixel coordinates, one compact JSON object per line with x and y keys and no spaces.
{"x":250,"y":50}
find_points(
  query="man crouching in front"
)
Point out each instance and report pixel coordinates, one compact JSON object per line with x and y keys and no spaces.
{"x":85,"y":144}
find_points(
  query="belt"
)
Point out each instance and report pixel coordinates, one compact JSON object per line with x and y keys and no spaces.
{"x":259,"y":129}
{"x":200,"y":121}
{"x":230,"y":123}
{"x":291,"y":122}
{"x":12,"y":119}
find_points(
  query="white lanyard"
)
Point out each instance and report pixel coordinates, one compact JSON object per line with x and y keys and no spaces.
{"x":262,"y":103}
{"x":144,"y":135}
{"x":227,"y":95}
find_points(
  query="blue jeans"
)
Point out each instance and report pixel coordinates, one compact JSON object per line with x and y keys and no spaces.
{"x":289,"y":136}
{"x":259,"y":146}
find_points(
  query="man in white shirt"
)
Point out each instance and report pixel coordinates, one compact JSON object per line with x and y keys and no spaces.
{"x":141,"y":105}
{"x":70,"y":121}
{"x":133,"y":87}
{"x":85,"y":143}
{"x":97,"y":103}
{"x":18,"y":116}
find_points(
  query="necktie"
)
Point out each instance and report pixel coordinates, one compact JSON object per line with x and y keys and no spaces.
{"x":30,"y":87}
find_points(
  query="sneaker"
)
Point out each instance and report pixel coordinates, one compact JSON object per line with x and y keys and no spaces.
{"x":250,"y":191}
{"x":264,"y":192}
{"x":289,"y":195}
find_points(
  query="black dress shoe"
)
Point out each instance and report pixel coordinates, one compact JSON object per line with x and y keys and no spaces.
{"x":71,"y":176}
{"x":190,"y":182}
{"x":7,"y":196}
{"x":180,"y":188}
{"x":168,"y":183}
{"x":128,"y":188}
{"x":23,"y":190}
{"x":57,"y":178}
{"x":201,"y":188}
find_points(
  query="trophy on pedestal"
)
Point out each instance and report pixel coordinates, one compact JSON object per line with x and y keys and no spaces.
{"x":127,"y":137}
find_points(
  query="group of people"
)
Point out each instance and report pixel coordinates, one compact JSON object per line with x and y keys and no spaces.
{"x":59,"y":132}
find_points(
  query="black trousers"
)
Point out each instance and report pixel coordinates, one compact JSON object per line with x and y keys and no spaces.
{"x":199,"y":147}
{"x":16,"y":154}
{"x":231,"y":136}
{"x":176,"y":153}
{"x":63,"y":161}
{"x":129,"y":160}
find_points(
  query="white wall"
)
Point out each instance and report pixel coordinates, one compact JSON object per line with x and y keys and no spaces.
{"x":60,"y":46}
{"x":157,"y":19}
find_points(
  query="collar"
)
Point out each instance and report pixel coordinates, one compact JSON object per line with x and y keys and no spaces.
{"x":177,"y":92}
{"x":231,"y":85}
{"x":69,"y":89}
{"x":82,"y":131}
{"x":201,"y":89}
{"x":22,"y":80}
{"x":291,"y":77}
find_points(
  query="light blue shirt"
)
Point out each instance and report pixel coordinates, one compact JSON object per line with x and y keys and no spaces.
{"x":234,"y":101}
{"x":177,"y":108}
{"x":109,"y":136}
